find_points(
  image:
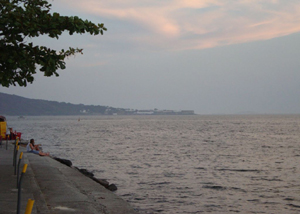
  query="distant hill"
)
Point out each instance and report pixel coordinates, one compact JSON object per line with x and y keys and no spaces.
{"x":20,"y":106}
{"x":16,"y":105}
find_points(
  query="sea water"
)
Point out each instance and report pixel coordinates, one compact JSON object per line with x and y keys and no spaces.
{"x":182,"y":164}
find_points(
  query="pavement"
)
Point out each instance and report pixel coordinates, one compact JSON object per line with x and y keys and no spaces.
{"x":54,"y":187}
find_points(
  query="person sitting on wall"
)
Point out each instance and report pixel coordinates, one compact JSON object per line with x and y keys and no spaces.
{"x":35,"y":148}
{"x":12,"y":135}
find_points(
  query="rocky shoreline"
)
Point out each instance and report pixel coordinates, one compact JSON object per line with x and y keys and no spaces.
{"x":89,"y":174}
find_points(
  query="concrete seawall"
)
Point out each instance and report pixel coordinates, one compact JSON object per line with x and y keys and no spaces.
{"x":55,"y":187}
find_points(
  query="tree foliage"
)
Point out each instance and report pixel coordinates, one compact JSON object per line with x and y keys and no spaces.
{"x":23,"y":19}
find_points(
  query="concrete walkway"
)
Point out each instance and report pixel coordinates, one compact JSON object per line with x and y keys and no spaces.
{"x":56,"y":188}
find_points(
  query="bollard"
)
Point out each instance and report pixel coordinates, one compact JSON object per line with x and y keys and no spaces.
{"x":19,"y":190}
{"x":14,"y":155}
{"x":6,"y":141}
{"x":20,"y":158}
{"x":29,"y":206}
{"x":17,"y":150}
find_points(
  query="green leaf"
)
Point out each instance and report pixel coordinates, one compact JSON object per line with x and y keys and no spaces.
{"x":22,"y":19}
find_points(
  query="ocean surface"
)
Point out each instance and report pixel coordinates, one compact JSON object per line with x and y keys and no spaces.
{"x":182,"y":164}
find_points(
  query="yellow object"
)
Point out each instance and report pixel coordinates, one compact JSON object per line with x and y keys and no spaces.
{"x":17,"y":142}
{"x":18,"y":148}
{"x":24,"y":168}
{"x":21,"y":155}
{"x":29,"y":206}
{"x":3,"y":129}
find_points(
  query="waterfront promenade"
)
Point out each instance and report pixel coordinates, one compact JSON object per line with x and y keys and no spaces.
{"x":55,"y":188}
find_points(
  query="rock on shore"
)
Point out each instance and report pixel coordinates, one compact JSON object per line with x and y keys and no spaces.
{"x":103,"y":182}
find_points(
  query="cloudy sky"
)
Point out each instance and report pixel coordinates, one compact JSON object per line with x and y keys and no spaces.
{"x":211,"y":56}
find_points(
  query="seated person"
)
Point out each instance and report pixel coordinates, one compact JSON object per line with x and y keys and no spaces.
{"x":35,"y":148}
{"x":12,"y":134}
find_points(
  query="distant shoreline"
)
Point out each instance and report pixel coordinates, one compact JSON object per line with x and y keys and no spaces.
{"x":36,"y":107}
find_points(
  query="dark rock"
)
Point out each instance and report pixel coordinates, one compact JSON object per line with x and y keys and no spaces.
{"x":103,"y":182}
{"x":64,"y":161}
{"x":112,"y":187}
{"x":87,"y":173}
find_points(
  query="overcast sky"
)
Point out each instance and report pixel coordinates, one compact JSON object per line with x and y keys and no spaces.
{"x":211,"y":56}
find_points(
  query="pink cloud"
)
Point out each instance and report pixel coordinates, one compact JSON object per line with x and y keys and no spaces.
{"x":197,"y":24}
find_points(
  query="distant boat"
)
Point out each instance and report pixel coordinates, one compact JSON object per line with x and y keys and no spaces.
{"x":21,"y":117}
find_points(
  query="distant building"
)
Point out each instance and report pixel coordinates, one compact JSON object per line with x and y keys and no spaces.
{"x":145,"y":112}
{"x":187,"y":112}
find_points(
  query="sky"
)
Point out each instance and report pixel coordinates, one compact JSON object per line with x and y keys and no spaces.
{"x":210,"y":56}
